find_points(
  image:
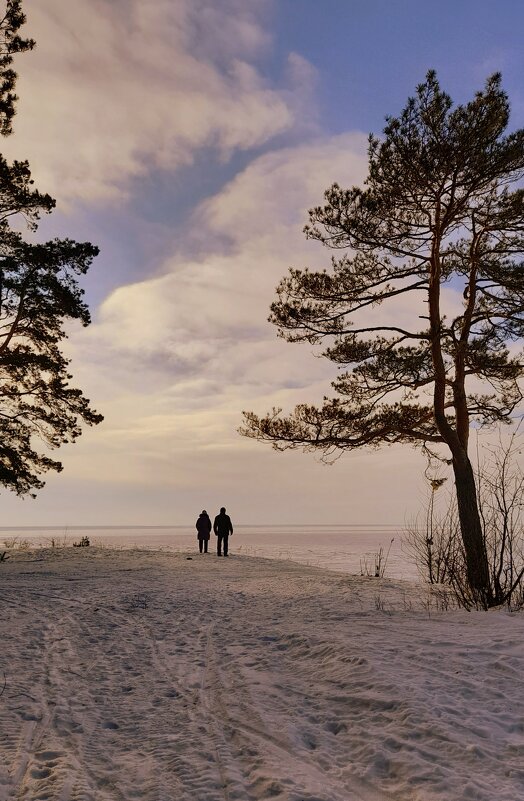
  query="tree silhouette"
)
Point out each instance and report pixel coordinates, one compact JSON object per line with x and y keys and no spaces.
{"x":39,"y":294}
{"x":441,"y":222}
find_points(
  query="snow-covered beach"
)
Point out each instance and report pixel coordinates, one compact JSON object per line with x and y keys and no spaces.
{"x":138,"y":674}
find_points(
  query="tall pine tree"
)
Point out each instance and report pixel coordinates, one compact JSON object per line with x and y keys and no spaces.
{"x":441,"y":206}
{"x":39,"y":295}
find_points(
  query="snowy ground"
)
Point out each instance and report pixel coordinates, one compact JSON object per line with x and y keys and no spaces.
{"x":143,"y":675}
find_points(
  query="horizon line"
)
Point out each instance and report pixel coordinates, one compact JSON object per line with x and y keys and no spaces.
{"x":66,"y":528}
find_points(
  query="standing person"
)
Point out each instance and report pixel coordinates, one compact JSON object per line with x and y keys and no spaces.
{"x":222,"y":528}
{"x":203,"y":527}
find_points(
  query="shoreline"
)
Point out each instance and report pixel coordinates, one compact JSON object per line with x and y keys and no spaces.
{"x":344,"y":551}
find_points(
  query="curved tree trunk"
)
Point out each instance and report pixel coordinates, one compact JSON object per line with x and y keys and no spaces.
{"x":456,"y":438}
{"x":471,"y":530}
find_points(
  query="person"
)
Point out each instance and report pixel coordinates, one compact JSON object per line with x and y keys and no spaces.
{"x":203,"y":527}
{"x":222,"y":528}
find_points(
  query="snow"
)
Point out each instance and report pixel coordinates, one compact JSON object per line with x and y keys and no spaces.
{"x":349,"y":548}
{"x":137,"y":674}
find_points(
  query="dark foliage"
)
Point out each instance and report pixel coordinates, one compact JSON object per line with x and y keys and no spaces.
{"x":10,"y":44}
{"x":39,"y":294}
{"x":438,"y":208}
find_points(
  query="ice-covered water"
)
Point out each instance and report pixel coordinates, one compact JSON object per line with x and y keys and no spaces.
{"x":348,"y":549}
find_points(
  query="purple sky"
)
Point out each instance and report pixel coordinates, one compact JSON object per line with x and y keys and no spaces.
{"x":188,"y":138}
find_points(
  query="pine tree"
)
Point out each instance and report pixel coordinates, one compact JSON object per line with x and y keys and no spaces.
{"x":39,"y":294}
{"x":440,"y":216}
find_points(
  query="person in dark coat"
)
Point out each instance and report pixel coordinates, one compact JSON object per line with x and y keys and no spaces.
{"x":222,"y":528}
{"x":203,"y":527}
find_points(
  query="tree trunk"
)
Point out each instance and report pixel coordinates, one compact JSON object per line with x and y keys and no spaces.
{"x":471,"y":530}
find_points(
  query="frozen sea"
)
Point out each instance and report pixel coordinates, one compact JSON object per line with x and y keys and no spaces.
{"x":347,"y":549}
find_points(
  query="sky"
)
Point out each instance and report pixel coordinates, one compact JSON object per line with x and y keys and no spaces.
{"x":187,"y":139}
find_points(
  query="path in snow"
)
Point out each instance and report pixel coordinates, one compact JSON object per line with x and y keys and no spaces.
{"x":143,"y":675}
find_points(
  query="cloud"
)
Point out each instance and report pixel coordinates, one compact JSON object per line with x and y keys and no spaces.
{"x":117,"y":90}
{"x":222,"y":299}
{"x":187,"y":350}
{"x":114,"y":89}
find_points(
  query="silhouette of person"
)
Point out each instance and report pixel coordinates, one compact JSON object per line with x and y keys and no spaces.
{"x":203,"y":527}
{"x":222,"y":528}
